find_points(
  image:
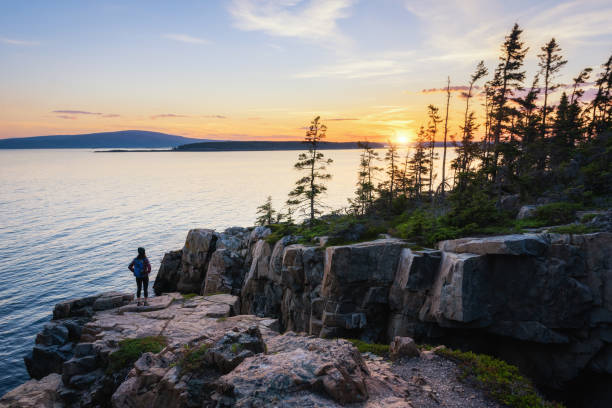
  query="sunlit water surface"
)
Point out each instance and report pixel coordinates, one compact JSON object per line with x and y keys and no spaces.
{"x":71,"y":220}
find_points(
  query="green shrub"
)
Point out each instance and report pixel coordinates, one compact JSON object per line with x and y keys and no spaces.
{"x":193,"y":359}
{"x":500,"y":380}
{"x":188,"y":296}
{"x":236,"y":348}
{"x":574,"y":229}
{"x":130,"y":350}
{"x":374,"y":348}
{"x":557,"y":213}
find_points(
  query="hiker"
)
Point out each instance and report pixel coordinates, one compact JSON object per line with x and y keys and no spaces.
{"x":141,"y":268}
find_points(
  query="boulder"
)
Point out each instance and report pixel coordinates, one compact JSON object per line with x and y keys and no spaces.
{"x":41,"y":393}
{"x":169,"y":272}
{"x":199,"y":247}
{"x":403,"y":347}
{"x":510,"y":203}
{"x":234,"y":347}
{"x":526,"y":211}
{"x":296,"y":365}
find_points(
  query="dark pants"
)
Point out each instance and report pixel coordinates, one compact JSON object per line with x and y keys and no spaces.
{"x":140,"y":283}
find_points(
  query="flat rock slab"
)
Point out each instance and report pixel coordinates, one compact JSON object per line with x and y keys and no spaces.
{"x":34,"y":394}
{"x":517,"y":244}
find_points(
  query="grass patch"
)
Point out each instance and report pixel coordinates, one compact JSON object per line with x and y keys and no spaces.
{"x":188,"y":296}
{"x":574,"y":229}
{"x":216,"y":293}
{"x":588,"y":217}
{"x":557,"y":213}
{"x":341,"y":230}
{"x":374,"y":348}
{"x":236,"y":348}
{"x":130,"y":350}
{"x":500,"y":380}
{"x":222,"y":319}
{"x":193,"y":359}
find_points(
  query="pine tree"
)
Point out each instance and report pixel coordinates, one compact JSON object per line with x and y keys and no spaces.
{"x":364,"y":195}
{"x":419,"y":164}
{"x":266,"y":213}
{"x":550,"y":64}
{"x":508,"y":78}
{"x":392,"y":158}
{"x":448,"y":95}
{"x":432,"y":131}
{"x":308,"y":189}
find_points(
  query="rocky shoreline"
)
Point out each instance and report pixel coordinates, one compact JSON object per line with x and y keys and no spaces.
{"x":540,"y":301}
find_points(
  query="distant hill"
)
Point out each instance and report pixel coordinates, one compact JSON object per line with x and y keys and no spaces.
{"x":121,"y":139}
{"x":217,"y":146}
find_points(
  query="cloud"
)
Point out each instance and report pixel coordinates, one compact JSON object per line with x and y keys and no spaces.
{"x":215,"y":116}
{"x":168,"y":115}
{"x":185,"y":38}
{"x":111,"y":115}
{"x":66,"y":117}
{"x":76,"y":112}
{"x":466,"y":31}
{"x":312,"y":20}
{"x":339,"y":119}
{"x":366,"y":68}
{"x":12,"y":41}
{"x":460,"y":88}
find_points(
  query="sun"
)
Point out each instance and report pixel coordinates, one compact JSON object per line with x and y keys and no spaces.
{"x":402,"y":137}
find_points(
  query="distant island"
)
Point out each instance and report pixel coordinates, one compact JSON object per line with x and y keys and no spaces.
{"x":139,"y":139}
{"x":216,"y":146}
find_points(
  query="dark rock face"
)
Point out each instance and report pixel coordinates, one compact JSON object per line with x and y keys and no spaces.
{"x":355,"y":288}
{"x":225,"y":273}
{"x":186,"y":270}
{"x":169,"y":272}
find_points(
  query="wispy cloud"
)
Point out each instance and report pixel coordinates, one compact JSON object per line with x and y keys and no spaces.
{"x":185,"y":38}
{"x":470,"y":30}
{"x":358,"y":69}
{"x":13,"y":41}
{"x":461,"y":88}
{"x":76,"y":112}
{"x":168,"y":115}
{"x":215,"y":116}
{"x":312,"y":20}
{"x":339,"y":119}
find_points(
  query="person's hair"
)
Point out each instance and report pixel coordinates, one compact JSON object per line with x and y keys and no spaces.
{"x":141,"y":253}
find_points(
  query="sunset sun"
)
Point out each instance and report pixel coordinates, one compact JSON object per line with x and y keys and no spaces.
{"x":403,"y":137}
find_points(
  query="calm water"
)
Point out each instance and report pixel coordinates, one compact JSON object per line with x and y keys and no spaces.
{"x":71,"y":220}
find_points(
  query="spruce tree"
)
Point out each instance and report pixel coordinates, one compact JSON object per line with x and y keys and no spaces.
{"x":308,"y":189}
{"x":550,"y":64}
{"x":432,"y":131}
{"x":265,"y":213}
{"x":364,"y":195}
{"x":508,"y":78}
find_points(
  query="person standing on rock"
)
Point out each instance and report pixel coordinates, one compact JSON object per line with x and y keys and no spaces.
{"x":141,"y":268}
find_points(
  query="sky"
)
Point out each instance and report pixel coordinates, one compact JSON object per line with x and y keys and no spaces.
{"x":262,"y":69}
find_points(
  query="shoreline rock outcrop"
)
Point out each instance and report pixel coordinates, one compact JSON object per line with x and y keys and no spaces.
{"x":547,"y":295}
{"x":540,"y":301}
{"x":209,"y":358}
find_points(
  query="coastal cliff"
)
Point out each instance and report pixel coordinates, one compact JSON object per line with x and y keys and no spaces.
{"x":541,"y":301}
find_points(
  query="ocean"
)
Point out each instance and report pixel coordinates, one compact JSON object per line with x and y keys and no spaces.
{"x":71,"y":220}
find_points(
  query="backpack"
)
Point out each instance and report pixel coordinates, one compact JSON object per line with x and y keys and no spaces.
{"x":139,"y":267}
